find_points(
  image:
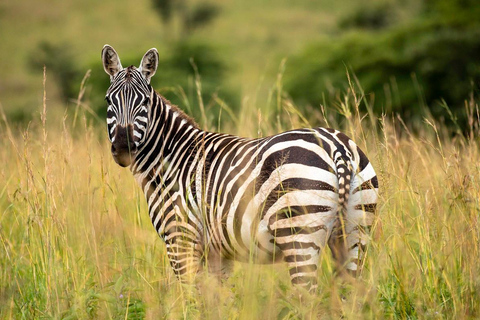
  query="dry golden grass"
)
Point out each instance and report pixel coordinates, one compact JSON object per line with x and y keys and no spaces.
{"x":76,"y":240}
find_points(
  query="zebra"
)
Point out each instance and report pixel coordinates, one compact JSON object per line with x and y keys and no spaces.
{"x":214,"y":197}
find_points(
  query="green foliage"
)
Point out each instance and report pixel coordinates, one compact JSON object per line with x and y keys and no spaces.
{"x":397,"y":301}
{"x":60,"y":60}
{"x":463,"y":11}
{"x":404,"y":69}
{"x":124,"y":301}
{"x":200,"y":16}
{"x":164,"y":9}
{"x":191,"y":16}
{"x":369,"y":15}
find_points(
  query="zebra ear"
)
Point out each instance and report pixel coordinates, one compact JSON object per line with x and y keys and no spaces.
{"x":149,"y":63}
{"x":111,"y":61}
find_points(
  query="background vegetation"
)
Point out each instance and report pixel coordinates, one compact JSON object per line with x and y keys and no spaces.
{"x":431,"y":59}
{"x":401,"y":78}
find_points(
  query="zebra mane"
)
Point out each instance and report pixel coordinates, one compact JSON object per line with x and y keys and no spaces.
{"x":179,"y":111}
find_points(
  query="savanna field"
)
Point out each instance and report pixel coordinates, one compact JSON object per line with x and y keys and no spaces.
{"x":77,"y":242}
{"x":401,"y":78}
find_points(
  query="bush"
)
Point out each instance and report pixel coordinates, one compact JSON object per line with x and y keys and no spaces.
{"x":191,"y":17}
{"x":371,"y":15}
{"x":59,"y":59}
{"x":408,"y":67}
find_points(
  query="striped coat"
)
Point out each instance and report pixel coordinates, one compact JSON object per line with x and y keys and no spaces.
{"x":215,"y":197}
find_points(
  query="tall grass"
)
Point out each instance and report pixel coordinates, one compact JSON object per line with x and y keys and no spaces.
{"x":76,"y":240}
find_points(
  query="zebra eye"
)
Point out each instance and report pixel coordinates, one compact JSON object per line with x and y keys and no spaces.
{"x":108,"y":100}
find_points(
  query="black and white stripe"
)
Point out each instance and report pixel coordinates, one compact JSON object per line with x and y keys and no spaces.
{"x":214,"y":196}
{"x":127,"y":104}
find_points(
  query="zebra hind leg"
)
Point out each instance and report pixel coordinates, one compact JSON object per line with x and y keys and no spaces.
{"x":301,"y":235}
{"x":348,"y":243}
{"x":338,"y":246}
{"x":302,"y":262}
{"x":301,"y":252}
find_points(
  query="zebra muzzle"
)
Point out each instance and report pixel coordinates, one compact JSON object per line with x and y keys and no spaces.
{"x":124,"y":148}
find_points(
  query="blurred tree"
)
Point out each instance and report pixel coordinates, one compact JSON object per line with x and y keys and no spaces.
{"x":450,"y":8}
{"x":409,"y":68}
{"x":59,"y":60}
{"x":200,"y":16}
{"x":164,"y":9}
{"x":190,"y":16}
{"x":371,"y":15}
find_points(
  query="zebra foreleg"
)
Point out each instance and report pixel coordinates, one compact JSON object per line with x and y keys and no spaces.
{"x":188,"y":258}
{"x":185,"y":259}
{"x":217,"y":265}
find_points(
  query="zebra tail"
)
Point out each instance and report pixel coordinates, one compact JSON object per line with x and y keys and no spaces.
{"x":344,"y":176}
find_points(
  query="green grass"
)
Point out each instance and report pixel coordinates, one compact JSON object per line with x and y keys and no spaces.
{"x":76,"y":241}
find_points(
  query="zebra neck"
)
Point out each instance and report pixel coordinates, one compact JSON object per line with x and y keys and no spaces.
{"x":170,"y":138}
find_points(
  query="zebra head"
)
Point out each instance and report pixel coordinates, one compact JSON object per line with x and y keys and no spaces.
{"x":129,"y":99}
